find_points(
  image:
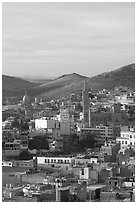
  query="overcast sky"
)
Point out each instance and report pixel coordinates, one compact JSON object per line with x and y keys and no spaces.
{"x":51,"y":39}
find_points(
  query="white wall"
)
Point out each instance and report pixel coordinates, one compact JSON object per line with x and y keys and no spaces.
{"x":40,"y":124}
{"x":127,"y":138}
{"x":46,"y":124}
{"x":85,"y":175}
{"x":55,"y":160}
{"x":129,"y":135}
{"x":93,"y":160}
{"x":7,"y":163}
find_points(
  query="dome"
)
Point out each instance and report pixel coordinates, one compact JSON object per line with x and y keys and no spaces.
{"x":26,"y":99}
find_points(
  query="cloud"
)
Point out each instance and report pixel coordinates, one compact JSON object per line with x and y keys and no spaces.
{"x":58,"y":34}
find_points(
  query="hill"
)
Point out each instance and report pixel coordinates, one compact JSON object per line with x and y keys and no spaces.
{"x":14,"y":83}
{"x":124,"y":76}
{"x":38,"y":79}
{"x":68,"y":83}
{"x":57,"y":87}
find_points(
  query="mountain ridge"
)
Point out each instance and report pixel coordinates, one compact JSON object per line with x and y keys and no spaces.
{"x":68,"y":83}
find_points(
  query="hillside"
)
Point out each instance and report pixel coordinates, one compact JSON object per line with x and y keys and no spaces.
{"x":38,"y":79}
{"x":68,"y":83}
{"x":52,"y":86}
{"x":124,"y":76}
{"x":14,"y":83}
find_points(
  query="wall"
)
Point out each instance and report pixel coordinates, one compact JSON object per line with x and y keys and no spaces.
{"x":24,"y":163}
{"x":93,"y":174}
{"x":82,"y":161}
{"x":126,"y":172}
{"x":76,"y":170}
{"x":104,"y":175}
{"x":7,"y":163}
{"x":99,"y":118}
{"x":40,"y":124}
{"x":12,"y":152}
{"x":108,"y":196}
{"x":84,"y":173}
{"x":44,"y":123}
{"x":65,"y":127}
{"x":82,"y":192}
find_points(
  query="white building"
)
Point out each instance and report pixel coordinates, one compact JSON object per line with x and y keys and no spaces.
{"x":63,"y":163}
{"x":64,"y":115}
{"x":44,"y":123}
{"x":126,"y":139}
{"x":87,"y":173}
{"x":125,"y":99}
{"x":57,"y":127}
{"x":55,"y":160}
{"x":7,"y":163}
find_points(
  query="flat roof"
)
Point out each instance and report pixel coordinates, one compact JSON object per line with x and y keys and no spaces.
{"x":94,"y":187}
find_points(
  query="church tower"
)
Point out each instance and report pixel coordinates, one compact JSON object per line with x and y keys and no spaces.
{"x":86,"y":105}
{"x":26,"y":99}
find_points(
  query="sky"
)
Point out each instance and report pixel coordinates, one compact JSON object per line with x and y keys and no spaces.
{"x":52,"y":39}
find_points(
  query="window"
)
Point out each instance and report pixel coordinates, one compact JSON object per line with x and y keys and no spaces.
{"x":122,"y":142}
{"x":82,"y":172}
{"x":125,"y":142}
{"x":131,"y":143}
{"x":130,"y":136}
{"x":45,"y":160}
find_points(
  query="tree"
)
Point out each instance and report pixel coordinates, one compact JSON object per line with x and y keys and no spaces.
{"x":88,"y":141}
{"x":73,"y":198}
{"x":15,"y":123}
{"x":24,"y":125}
{"x":25,"y":155}
{"x":38,"y":142}
{"x":79,"y":107}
